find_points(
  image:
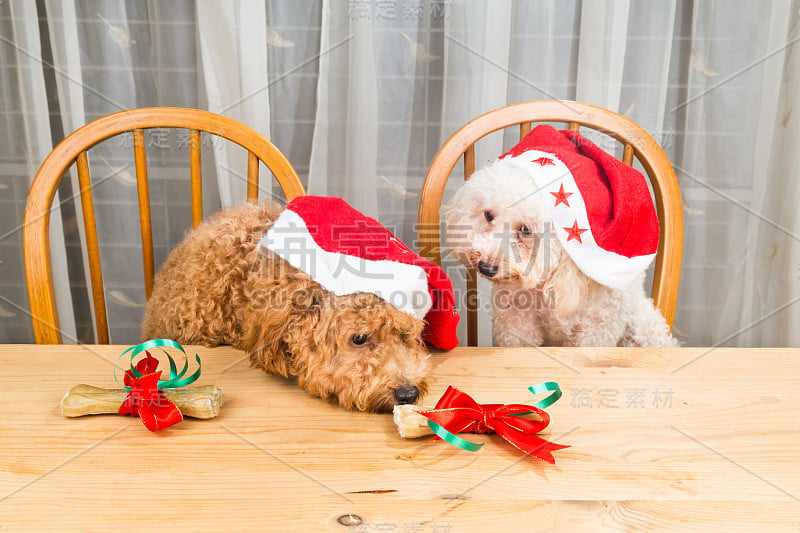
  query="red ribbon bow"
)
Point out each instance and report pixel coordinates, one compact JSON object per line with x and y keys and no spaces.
{"x":457,"y":412}
{"x":145,"y":400}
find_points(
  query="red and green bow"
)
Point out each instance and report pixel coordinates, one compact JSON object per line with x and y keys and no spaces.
{"x":457,"y":412}
{"x":144,"y":385}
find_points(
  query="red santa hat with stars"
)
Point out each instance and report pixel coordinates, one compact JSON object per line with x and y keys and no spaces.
{"x":347,"y":252}
{"x":602,"y":211}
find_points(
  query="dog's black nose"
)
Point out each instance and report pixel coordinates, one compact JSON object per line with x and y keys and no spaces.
{"x":487,"y":269}
{"x":405,"y":395}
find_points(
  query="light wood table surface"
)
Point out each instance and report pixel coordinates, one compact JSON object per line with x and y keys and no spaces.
{"x":679,"y":439}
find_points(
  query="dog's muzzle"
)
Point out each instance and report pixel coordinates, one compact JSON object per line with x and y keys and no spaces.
{"x":405,"y":395}
{"x":487,"y":269}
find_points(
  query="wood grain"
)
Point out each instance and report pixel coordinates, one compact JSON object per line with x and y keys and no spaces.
{"x":721,"y":456}
{"x":524,"y":129}
{"x":472,"y":275}
{"x":196,"y":174}
{"x":36,"y":229}
{"x":252,"y":177}
{"x":145,"y":217}
{"x":637,"y":143}
{"x":92,"y":250}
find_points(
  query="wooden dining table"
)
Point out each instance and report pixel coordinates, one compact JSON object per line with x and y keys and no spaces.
{"x":689,"y":439}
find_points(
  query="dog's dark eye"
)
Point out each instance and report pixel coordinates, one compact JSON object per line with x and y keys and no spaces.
{"x":489,"y":216}
{"x":524,"y":231}
{"x":359,"y":339}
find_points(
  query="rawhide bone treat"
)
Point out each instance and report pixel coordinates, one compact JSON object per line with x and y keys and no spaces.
{"x":158,"y":403}
{"x":411,"y":424}
{"x":195,"y":402}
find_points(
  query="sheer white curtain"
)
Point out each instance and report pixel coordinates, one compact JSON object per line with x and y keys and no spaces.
{"x":359,"y":95}
{"x":769,"y":312}
{"x":27,"y":141}
{"x":233,"y":47}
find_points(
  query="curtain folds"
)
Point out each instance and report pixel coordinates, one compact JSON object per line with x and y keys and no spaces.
{"x":360,"y":94}
{"x":234,"y":68}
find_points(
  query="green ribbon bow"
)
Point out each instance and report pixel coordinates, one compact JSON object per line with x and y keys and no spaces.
{"x":176,"y":378}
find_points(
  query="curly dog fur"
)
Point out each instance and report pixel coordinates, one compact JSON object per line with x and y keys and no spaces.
{"x":539,"y":296}
{"x":218,"y":287}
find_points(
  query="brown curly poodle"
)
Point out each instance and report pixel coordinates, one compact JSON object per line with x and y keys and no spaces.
{"x":218,"y":287}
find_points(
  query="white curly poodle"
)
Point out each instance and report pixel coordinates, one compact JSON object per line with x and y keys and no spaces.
{"x":543,"y":260}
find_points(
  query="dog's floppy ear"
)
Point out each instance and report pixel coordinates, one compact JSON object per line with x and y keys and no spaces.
{"x":280,"y":312}
{"x":567,"y":285}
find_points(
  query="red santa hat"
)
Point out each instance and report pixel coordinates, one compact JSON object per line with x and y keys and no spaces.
{"x":347,"y":252}
{"x":602,"y":211}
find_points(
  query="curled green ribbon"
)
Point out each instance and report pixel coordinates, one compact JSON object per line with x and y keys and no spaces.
{"x":454,"y":439}
{"x":451,"y":438}
{"x":176,"y":378}
{"x":547,"y":386}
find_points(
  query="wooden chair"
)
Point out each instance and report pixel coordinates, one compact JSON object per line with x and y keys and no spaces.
{"x":73,"y":149}
{"x":636,"y":143}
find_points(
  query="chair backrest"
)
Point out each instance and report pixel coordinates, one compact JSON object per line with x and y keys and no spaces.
{"x":73,"y":149}
{"x":636,"y":143}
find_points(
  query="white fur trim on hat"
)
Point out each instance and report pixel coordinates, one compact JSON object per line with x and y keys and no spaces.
{"x":603,"y":266}
{"x":403,"y":286}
